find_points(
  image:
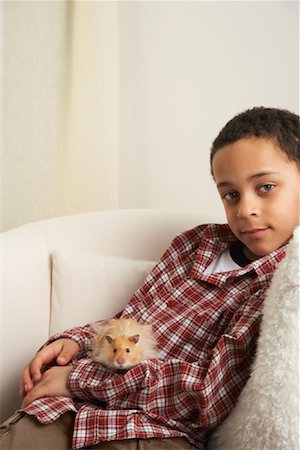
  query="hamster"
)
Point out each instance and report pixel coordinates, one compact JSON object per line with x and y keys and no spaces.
{"x":123,"y":343}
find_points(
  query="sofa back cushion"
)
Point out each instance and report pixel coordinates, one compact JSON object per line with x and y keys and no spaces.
{"x":88,"y":287}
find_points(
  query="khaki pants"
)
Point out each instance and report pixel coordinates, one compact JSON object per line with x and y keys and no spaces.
{"x":23,"y":432}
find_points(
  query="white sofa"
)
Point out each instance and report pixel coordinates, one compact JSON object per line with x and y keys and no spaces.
{"x":49,"y":275}
{"x":27,"y":319}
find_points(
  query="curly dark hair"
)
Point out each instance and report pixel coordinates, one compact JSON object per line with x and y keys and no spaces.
{"x":278,"y":124}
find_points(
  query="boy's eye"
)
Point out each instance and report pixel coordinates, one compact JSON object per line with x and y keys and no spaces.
{"x":128,"y":350}
{"x":266,"y":187}
{"x":115,"y":350}
{"x":229,"y":196}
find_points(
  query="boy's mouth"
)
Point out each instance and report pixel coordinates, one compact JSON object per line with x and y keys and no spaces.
{"x":254,"y":232}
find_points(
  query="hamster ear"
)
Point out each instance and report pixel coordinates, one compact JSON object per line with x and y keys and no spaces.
{"x":134,"y":338}
{"x":109,"y":338}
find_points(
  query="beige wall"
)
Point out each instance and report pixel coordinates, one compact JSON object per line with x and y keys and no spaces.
{"x":60,"y":109}
{"x":126,"y":118}
{"x":34,"y":50}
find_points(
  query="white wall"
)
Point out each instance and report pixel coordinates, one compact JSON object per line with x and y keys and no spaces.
{"x":187,"y":68}
{"x":156,"y":83}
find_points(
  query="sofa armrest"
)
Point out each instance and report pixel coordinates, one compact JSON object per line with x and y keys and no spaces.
{"x":25,"y":307}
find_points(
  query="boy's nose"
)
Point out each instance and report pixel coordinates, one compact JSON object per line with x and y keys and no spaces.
{"x":247,"y":207}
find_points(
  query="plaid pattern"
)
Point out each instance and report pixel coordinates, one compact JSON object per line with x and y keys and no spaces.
{"x":206,"y":326}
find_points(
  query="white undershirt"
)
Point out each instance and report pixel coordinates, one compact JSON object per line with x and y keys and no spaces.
{"x":223,"y":263}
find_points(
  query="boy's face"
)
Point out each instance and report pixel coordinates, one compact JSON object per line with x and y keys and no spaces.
{"x":259,"y":187}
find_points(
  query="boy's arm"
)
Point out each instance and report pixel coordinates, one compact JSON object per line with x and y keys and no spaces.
{"x":201,"y":392}
{"x":53,"y":351}
{"x":84,"y":336}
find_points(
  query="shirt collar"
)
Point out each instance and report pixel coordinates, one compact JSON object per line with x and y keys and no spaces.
{"x":218,"y":237}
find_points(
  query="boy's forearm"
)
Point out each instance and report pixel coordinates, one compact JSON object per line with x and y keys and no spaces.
{"x":83,"y":336}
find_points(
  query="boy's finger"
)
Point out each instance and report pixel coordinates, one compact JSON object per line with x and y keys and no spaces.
{"x":36,"y":366}
{"x":68,"y":351}
{"x":34,"y":394}
{"x":33,"y":371}
{"x":22,"y":391}
{"x":63,"y":358}
{"x":26,"y":382}
{"x":42,"y":359}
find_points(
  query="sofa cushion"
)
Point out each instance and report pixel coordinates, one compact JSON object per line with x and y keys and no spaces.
{"x":87,"y":287}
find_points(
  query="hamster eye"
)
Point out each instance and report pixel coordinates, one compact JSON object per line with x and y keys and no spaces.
{"x":115,"y":350}
{"x":127,"y":350}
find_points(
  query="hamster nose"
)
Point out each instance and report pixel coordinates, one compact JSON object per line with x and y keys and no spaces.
{"x":120,"y":360}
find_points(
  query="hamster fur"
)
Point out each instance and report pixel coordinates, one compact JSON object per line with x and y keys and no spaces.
{"x":123,"y":343}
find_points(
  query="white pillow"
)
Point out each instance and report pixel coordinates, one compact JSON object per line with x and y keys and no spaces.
{"x":87,"y":288}
{"x":266,"y":416}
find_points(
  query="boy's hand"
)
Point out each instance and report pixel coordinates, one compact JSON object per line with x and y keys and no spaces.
{"x":59,"y":352}
{"x":54,"y":382}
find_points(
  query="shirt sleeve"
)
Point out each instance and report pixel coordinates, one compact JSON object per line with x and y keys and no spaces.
{"x":201,"y":392}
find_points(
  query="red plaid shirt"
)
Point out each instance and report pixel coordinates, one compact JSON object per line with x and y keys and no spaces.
{"x":207,"y":327}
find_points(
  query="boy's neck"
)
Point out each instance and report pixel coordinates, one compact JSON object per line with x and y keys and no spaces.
{"x":250,"y":256}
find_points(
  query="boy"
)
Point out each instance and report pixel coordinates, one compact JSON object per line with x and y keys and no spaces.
{"x":204,"y":299}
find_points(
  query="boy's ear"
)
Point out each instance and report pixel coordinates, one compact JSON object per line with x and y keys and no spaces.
{"x":135,"y":338}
